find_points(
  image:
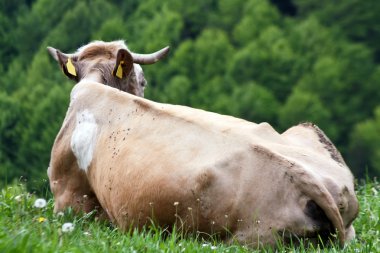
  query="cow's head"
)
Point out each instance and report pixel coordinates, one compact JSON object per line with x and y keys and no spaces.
{"x":110,"y":63}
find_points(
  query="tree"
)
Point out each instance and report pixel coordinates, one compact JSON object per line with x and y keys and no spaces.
{"x":44,"y":15}
{"x":255,"y":103}
{"x":112,"y":29}
{"x":176,"y":91}
{"x":38,"y":138}
{"x":9,"y":10}
{"x":365,"y":146}
{"x":269,"y":60}
{"x":338,"y":72}
{"x":358,"y":20}
{"x":257,"y":16}
{"x":302,"y":107}
{"x":9,"y":133}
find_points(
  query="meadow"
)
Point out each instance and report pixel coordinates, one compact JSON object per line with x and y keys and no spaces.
{"x":27,"y":225}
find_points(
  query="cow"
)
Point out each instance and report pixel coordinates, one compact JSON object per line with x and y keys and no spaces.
{"x":112,"y":63}
{"x":138,"y":161}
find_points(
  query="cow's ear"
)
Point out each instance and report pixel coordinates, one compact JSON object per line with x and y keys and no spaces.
{"x":123,"y":65}
{"x":67,"y":63}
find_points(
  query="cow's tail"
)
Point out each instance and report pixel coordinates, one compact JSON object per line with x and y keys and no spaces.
{"x":312,"y":187}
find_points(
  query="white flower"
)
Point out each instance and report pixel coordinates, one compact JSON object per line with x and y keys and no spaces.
{"x":67,"y":227}
{"x":18,"y":198}
{"x":60,"y":214}
{"x":87,"y":233}
{"x":176,"y":203}
{"x":40,"y":203}
{"x":208,"y":245}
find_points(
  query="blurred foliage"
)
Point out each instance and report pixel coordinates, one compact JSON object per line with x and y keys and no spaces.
{"x":358,"y":20}
{"x":283,"y":62}
{"x":365,"y":143}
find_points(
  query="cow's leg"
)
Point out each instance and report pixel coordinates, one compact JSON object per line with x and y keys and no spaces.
{"x":73,"y":190}
{"x":68,"y":183}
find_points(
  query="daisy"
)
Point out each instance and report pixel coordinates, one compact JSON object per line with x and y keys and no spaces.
{"x":67,"y":227}
{"x":18,"y":198}
{"x":40,"y":203}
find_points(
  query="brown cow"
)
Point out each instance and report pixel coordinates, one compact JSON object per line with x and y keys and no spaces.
{"x":140,"y":160}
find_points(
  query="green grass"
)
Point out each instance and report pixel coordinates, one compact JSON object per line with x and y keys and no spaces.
{"x":22,"y":231}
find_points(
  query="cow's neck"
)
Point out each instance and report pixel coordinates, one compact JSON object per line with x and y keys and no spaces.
{"x":94,"y":76}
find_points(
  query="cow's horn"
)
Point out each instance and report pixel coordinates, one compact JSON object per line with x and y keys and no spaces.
{"x":150,"y":58}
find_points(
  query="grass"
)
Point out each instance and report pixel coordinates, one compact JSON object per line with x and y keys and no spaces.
{"x":25,"y":228}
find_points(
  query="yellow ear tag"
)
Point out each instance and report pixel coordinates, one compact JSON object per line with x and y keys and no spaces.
{"x":119,"y":71}
{"x":70,"y":67}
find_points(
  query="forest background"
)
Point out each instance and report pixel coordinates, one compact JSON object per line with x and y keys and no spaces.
{"x":283,"y":62}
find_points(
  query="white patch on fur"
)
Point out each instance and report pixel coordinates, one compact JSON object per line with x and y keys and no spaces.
{"x":84,"y":139}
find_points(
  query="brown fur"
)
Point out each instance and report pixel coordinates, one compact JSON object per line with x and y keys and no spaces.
{"x":178,"y":165}
{"x":96,"y":51}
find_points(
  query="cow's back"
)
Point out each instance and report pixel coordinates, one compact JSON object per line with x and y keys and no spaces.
{"x":211,"y":171}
